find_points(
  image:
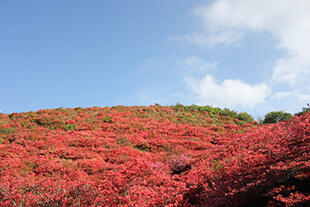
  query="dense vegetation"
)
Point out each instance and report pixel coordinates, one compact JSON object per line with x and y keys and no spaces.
{"x":276,"y":116}
{"x":152,"y":156}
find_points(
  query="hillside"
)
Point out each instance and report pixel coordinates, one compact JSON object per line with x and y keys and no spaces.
{"x":152,"y":156}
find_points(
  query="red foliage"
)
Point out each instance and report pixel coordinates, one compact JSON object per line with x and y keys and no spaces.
{"x":150,"y":156}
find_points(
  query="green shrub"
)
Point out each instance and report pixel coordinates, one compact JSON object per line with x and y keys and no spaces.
{"x":6,"y":130}
{"x":107,"y":119}
{"x":193,"y":108}
{"x":230,"y":113}
{"x":69,"y":127}
{"x":51,"y":123}
{"x":178,"y":106}
{"x":243,"y":116}
{"x":213,"y":110}
{"x":124,"y":142}
{"x":276,"y":116}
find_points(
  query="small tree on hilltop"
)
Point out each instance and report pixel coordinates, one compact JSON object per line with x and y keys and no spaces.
{"x":276,"y":116}
{"x":244,"y":116}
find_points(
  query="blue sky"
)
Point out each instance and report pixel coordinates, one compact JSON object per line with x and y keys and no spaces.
{"x":245,"y":55}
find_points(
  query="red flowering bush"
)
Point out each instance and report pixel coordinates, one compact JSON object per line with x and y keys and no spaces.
{"x":179,"y":163}
{"x":152,"y":156}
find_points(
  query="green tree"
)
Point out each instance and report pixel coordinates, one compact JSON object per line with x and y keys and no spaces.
{"x":230,"y":113}
{"x":245,"y":117}
{"x":276,"y":116}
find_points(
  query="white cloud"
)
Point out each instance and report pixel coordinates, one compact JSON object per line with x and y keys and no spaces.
{"x":293,"y":70}
{"x":282,"y":94}
{"x":229,"y":93}
{"x":225,"y":21}
{"x":147,"y":65}
{"x":193,"y":63}
{"x":296,"y":95}
{"x":209,"y":40}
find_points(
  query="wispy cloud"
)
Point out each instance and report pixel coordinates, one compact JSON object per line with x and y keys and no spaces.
{"x":209,"y":40}
{"x":195,"y":64}
{"x":147,"y":65}
{"x":296,"y":95}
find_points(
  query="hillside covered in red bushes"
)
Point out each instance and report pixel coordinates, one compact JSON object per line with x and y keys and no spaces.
{"x":152,"y":156}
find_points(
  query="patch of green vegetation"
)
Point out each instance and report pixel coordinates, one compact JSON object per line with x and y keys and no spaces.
{"x":107,"y":119}
{"x":92,"y":120}
{"x":193,"y":107}
{"x":69,"y":127}
{"x":31,"y":165}
{"x":229,"y":113}
{"x":213,"y":112}
{"x":243,"y":116}
{"x":50,"y":123}
{"x":194,"y":139}
{"x":147,"y":116}
{"x":124,"y":142}
{"x":217,"y":165}
{"x":143,"y":147}
{"x":7,"y":130}
{"x":31,"y":115}
{"x":96,"y":127}
{"x":119,"y":108}
{"x":276,"y":116}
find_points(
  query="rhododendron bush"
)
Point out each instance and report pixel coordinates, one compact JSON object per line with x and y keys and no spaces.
{"x":151,"y":156}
